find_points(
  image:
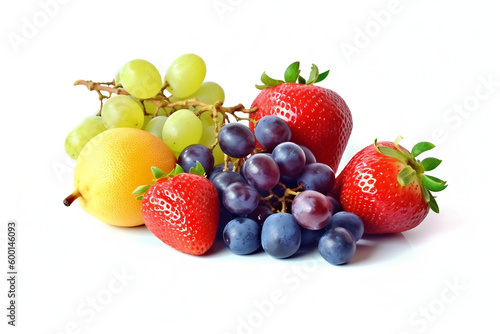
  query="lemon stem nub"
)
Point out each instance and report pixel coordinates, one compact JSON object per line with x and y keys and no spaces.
{"x":71,"y":198}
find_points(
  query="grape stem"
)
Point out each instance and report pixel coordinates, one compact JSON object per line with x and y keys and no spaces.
{"x":161,"y":101}
{"x":283,"y":201}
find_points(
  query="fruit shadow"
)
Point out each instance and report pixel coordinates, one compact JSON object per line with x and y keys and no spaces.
{"x":371,"y":249}
{"x":217,"y":248}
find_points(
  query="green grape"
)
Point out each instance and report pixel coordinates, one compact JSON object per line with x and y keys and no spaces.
{"x":208,"y":139}
{"x":207,"y":116}
{"x":209,"y":93}
{"x":121,"y":111}
{"x":147,"y":119}
{"x":81,"y":134}
{"x":150,"y":107}
{"x":207,"y":136}
{"x":117,"y":81}
{"x":185,"y":75}
{"x":141,"y":79}
{"x":155,"y":126}
{"x":181,"y":129}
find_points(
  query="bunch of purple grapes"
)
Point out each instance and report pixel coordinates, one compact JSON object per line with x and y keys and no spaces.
{"x":278,"y":199}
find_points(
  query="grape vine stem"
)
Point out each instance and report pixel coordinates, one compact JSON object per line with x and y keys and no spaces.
{"x":161,"y":101}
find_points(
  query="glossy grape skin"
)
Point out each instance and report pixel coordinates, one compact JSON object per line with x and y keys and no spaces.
{"x":78,"y":137}
{"x":271,"y":131}
{"x":290,"y":158}
{"x":317,"y":176}
{"x":261,"y":171}
{"x":311,"y":209}
{"x":242,"y":236}
{"x":185,"y":75}
{"x":310,"y":158}
{"x":236,"y":140}
{"x":181,"y":129}
{"x":122,"y":111}
{"x":140,"y":78}
{"x":240,"y":198}
{"x":219,"y":168}
{"x":193,"y":153}
{"x":281,"y":235}
{"x":222,"y":180}
{"x":337,"y":245}
{"x":260,"y":214}
{"x":349,"y":221}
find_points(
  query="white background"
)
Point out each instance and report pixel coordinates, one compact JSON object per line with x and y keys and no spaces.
{"x":420,"y":71}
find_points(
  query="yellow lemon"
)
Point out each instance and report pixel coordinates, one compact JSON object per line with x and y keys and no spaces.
{"x":111,"y":166}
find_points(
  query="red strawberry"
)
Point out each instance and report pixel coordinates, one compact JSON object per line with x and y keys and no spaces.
{"x":181,"y":210}
{"x":318,"y":117}
{"x":386,"y":186}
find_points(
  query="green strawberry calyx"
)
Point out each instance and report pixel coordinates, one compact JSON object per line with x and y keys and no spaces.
{"x":292,"y":75}
{"x":415,"y":169}
{"x":159,"y":174}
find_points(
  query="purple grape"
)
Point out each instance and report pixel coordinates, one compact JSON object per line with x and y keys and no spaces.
{"x":281,"y":235}
{"x":336,"y":206}
{"x":349,"y":221}
{"x":310,"y":158}
{"x":224,"y":218}
{"x":317,"y":176}
{"x":311,"y":209}
{"x":337,"y":245}
{"x":240,"y":198}
{"x":219,"y":168}
{"x":222,"y":180}
{"x":260,"y":214}
{"x":310,"y":237}
{"x":196,"y":152}
{"x":261,"y":171}
{"x":242,"y":236}
{"x":290,"y":158}
{"x":236,"y":140}
{"x":271,"y":131}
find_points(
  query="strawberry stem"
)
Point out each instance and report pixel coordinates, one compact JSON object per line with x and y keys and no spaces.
{"x":292,"y":75}
{"x":415,"y":169}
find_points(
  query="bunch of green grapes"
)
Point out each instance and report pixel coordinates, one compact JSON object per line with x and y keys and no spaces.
{"x":137,"y":107}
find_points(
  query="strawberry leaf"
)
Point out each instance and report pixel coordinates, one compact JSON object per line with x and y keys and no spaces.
{"x":433,"y":204}
{"x":199,"y":170}
{"x":406,"y":176}
{"x":292,"y":72}
{"x":139,"y":198}
{"x":141,"y":189}
{"x":421,"y":147}
{"x":433,"y":183}
{"x":430,"y":163}
{"x":390,"y":152}
{"x":268,"y":81}
{"x":158,"y":173}
{"x":302,"y":80}
{"x":322,"y":76}
{"x":313,"y":76}
{"x":176,"y":171}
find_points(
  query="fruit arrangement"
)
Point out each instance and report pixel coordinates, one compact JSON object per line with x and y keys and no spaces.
{"x":262,"y":178}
